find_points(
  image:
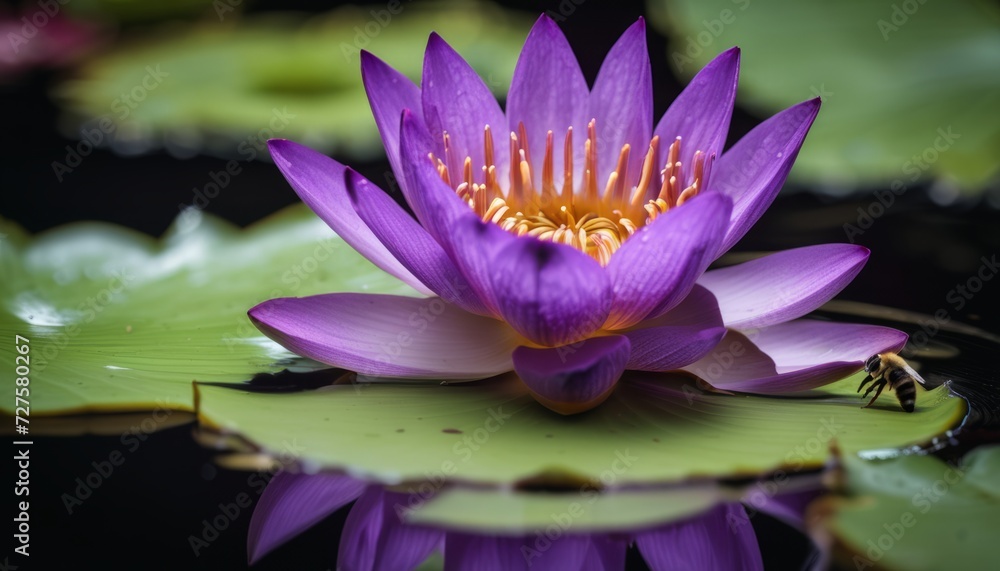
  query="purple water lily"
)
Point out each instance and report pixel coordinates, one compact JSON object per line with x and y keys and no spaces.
{"x":377,"y":536}
{"x":567,"y":239}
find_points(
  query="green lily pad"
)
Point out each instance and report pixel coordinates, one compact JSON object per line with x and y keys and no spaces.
{"x":917,"y":512}
{"x":225,"y":88}
{"x":585,"y":510}
{"x":909,"y":88}
{"x":118,"y":321}
{"x":652,"y":430}
{"x":133,"y":11}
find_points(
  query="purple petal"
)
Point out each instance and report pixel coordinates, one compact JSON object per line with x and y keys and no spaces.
{"x":698,"y":308}
{"x":700,"y":114}
{"x":292,"y":503}
{"x":622,"y":103}
{"x":456,"y":101}
{"x":491,"y":553}
{"x":549,"y":93}
{"x":793,"y":356}
{"x":389,"y":336}
{"x":411,"y":244}
{"x":678,"y":338}
{"x":550,"y":293}
{"x":753,"y":171}
{"x":374,"y":538}
{"x":389,"y":93}
{"x":670,"y":348}
{"x":319,"y":182}
{"x":785,"y":285}
{"x":721,"y":539}
{"x":573,"y":378}
{"x":471,"y":243}
{"x":474,"y":246}
{"x":656,"y":267}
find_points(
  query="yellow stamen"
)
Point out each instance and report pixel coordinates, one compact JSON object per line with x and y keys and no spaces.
{"x":593,"y":222}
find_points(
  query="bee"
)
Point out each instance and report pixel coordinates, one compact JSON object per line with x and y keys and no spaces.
{"x":891,"y":369}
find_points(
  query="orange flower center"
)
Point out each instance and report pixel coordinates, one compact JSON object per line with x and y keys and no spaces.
{"x":594,"y":222}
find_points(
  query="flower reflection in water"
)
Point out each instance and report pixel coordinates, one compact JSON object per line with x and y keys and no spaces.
{"x":376,"y":534}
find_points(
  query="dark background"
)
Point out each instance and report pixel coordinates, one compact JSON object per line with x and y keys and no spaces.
{"x":142,"y":515}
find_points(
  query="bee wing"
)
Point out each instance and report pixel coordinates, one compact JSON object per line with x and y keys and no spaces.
{"x":916,"y":376}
